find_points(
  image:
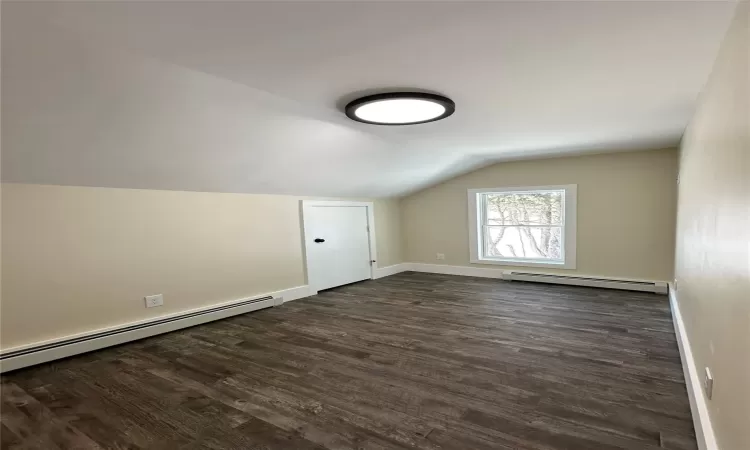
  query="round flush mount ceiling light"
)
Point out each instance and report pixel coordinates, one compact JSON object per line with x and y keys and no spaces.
{"x":400,"y":108}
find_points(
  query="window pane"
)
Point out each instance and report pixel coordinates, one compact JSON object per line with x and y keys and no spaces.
{"x":523,"y":242}
{"x":524,"y":208}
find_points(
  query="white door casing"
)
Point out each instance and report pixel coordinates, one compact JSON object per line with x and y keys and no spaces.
{"x":348,"y":248}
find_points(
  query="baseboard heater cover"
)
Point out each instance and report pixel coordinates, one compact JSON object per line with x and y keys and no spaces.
{"x":38,"y":354}
{"x":609,"y":283}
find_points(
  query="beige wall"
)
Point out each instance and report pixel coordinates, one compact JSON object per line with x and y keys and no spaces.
{"x":77,"y":258}
{"x":388,"y":232}
{"x":626,"y":212}
{"x":713,"y":236}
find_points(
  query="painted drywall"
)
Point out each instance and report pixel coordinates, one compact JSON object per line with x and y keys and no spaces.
{"x":77,"y":259}
{"x":389,"y":239}
{"x":135,"y":94}
{"x":713,"y":235}
{"x":626,"y":212}
{"x":81,"y":112}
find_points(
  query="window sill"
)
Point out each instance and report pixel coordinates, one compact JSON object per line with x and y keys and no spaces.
{"x":522,"y":263}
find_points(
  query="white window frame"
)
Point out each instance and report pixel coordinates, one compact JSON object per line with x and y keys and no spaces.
{"x":569,"y":228}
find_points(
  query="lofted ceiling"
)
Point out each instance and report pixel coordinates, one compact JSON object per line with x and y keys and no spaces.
{"x":248,"y":96}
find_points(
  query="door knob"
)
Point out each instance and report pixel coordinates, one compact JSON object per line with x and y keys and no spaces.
{"x":319,"y":240}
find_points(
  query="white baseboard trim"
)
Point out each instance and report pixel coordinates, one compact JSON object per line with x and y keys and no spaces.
{"x":704,"y":432}
{"x":456,"y":270}
{"x":295,"y":293}
{"x":386,"y":271}
{"x":40,"y":352}
{"x":575,"y":279}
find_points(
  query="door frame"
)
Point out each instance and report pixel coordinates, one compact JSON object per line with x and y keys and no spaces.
{"x":307,"y":205}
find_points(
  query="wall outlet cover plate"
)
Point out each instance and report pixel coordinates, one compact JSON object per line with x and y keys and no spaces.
{"x":154,"y":300}
{"x":708,"y":384}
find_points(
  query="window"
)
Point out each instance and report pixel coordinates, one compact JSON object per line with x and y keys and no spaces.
{"x":528,"y":226}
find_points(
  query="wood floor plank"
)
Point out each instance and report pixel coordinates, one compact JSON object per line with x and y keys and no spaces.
{"x":414,"y":360}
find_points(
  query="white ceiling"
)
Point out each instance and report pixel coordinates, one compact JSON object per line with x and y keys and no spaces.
{"x":247,"y":96}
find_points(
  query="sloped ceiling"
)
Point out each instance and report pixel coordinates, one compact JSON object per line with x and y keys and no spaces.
{"x":247,"y":96}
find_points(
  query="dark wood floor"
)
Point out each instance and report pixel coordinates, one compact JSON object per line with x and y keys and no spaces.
{"x":410,"y":361}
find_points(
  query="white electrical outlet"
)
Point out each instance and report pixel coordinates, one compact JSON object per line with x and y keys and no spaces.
{"x":708,"y":384}
{"x":154,"y":300}
{"x":441,"y":256}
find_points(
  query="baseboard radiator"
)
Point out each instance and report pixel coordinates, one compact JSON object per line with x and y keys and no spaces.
{"x":609,"y":283}
{"x":36,"y":354}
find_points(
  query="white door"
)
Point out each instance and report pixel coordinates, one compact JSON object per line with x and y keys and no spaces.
{"x":337,"y":241}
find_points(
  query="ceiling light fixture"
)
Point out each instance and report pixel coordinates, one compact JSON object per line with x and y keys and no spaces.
{"x":400,"y":108}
